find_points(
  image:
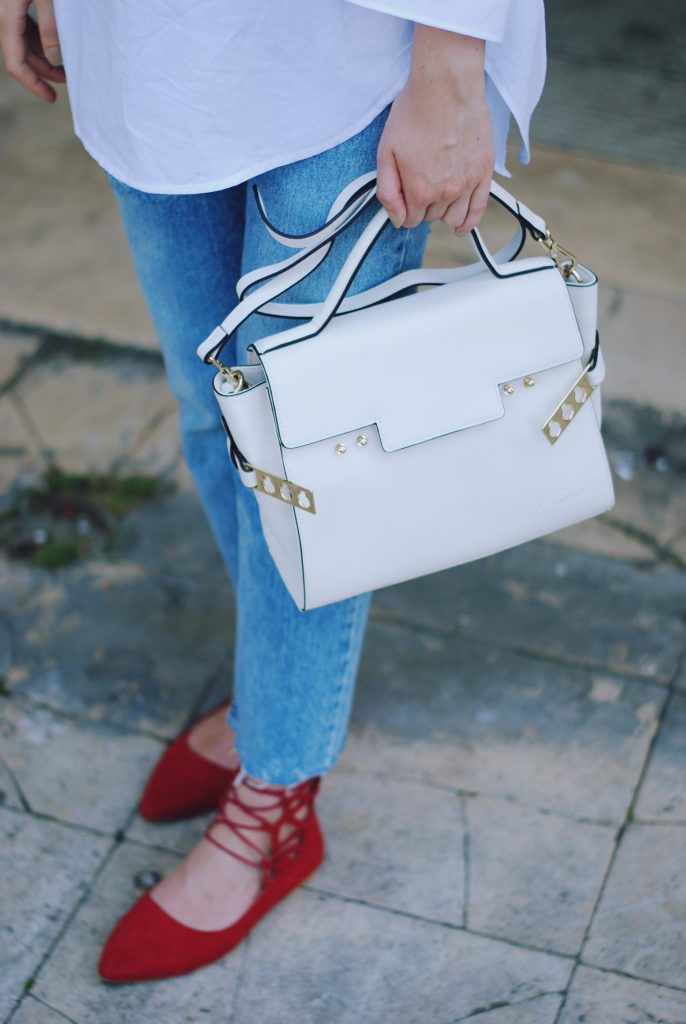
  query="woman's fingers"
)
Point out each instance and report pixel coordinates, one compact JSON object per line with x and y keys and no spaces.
{"x":43,"y":69}
{"x":22,"y":51}
{"x":476,"y":209}
{"x":389,"y":190}
{"x":47,"y":28}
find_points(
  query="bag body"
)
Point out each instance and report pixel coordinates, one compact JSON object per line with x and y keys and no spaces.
{"x":419,"y":430}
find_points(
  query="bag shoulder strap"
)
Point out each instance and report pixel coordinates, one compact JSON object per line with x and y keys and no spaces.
{"x":315,"y":245}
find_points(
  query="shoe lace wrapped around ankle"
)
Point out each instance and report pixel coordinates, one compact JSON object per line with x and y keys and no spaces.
{"x":292,"y":802}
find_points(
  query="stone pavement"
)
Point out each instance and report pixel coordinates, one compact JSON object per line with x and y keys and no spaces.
{"x":506,"y":828}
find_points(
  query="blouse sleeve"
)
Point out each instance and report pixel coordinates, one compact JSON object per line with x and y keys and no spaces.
{"x":482,"y":19}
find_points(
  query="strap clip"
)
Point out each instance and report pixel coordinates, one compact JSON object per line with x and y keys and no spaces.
{"x":234,"y":377}
{"x":565,"y":261}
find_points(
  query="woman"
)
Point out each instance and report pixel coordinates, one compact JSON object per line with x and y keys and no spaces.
{"x":184,"y":111}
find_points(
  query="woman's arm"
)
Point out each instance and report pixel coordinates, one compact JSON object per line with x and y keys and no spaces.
{"x":30,"y":52}
{"x":435,"y":156}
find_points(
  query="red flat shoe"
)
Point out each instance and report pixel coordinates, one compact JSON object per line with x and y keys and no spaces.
{"x":183,"y":783}
{"x":147,"y":943}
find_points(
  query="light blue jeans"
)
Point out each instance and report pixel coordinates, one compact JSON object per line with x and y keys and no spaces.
{"x":294,"y":672}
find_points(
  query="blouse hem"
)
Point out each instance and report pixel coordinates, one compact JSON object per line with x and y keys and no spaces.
{"x":164,"y":188}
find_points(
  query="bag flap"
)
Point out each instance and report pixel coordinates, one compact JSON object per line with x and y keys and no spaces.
{"x":423,"y":365}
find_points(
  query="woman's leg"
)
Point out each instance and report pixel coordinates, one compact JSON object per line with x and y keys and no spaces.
{"x":295,"y":671}
{"x":187,"y":254}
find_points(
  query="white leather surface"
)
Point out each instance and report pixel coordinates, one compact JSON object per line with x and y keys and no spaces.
{"x":425,"y":364}
{"x":445,"y":505}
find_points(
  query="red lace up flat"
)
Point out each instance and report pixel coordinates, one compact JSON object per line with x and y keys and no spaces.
{"x":148,"y":943}
{"x":183,"y":783}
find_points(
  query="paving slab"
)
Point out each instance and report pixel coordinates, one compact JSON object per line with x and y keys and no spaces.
{"x":69,"y":981}
{"x":36,"y":903}
{"x":92,"y":413}
{"x":47,"y":753}
{"x":533,"y":878}
{"x":9,"y":793}
{"x":537,"y":1010}
{"x":598,"y":536}
{"x":65,"y":264}
{"x":32,"y":1011}
{"x":334,"y":960}
{"x":557,"y":602}
{"x":16,"y":349}
{"x":598,"y":997}
{"x":479,"y":719}
{"x":175,"y":836}
{"x":131,"y":642}
{"x":680,"y":681}
{"x":19,"y":451}
{"x":394,"y":844}
{"x":640,"y":924}
{"x":662,"y":796}
{"x":642,"y":341}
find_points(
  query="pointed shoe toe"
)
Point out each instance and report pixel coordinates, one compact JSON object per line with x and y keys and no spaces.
{"x":147,"y":943}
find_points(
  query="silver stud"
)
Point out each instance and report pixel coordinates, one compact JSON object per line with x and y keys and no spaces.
{"x":340,"y":449}
{"x":529,"y":382}
{"x":361,"y":440}
{"x":508,"y":389}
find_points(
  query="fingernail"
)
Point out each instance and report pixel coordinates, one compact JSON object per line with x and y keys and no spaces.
{"x":395,"y":220}
{"x":54,"y":55}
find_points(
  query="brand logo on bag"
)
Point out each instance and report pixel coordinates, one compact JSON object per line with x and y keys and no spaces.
{"x":564,"y":495}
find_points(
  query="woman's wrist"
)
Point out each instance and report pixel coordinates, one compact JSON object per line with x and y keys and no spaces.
{"x":447,"y":61}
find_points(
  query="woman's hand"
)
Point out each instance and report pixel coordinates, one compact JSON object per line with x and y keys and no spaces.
{"x":30,"y":51}
{"x":435,"y":156}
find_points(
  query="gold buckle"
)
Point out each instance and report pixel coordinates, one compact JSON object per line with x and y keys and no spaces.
{"x":565,"y":261}
{"x":560,"y":418}
{"x":285,"y":490}
{"x":234,"y":377}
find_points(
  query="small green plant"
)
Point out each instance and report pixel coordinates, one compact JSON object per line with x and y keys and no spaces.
{"x":66,"y":516}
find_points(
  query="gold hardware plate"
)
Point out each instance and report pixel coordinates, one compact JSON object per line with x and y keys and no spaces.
{"x":558,"y":421}
{"x":285,"y":490}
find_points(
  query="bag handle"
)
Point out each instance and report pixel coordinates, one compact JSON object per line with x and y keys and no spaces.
{"x":348,"y":205}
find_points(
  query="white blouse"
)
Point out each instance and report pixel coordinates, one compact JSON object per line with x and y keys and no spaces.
{"x":182,"y":96}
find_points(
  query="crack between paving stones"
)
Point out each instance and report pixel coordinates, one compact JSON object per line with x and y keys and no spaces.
{"x":79,"y":343}
{"x":27,"y":420}
{"x":144,"y":434}
{"x":80,"y":900}
{"x":59,"y":1013}
{"x":449,"y":925}
{"x":663,"y":552}
{"x":660,"y":822}
{"x":81,"y":717}
{"x":615,"y":971}
{"x":474,"y":794}
{"x":499,"y":1004}
{"x":466,"y":860}
{"x":117,"y":835}
{"x":245,"y":945}
{"x":392,"y":620}
{"x":23,"y":799}
{"x":11,"y":655}
{"x":628,"y":818}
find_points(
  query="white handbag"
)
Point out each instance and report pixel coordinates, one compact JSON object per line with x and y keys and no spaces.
{"x":420,"y":430}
